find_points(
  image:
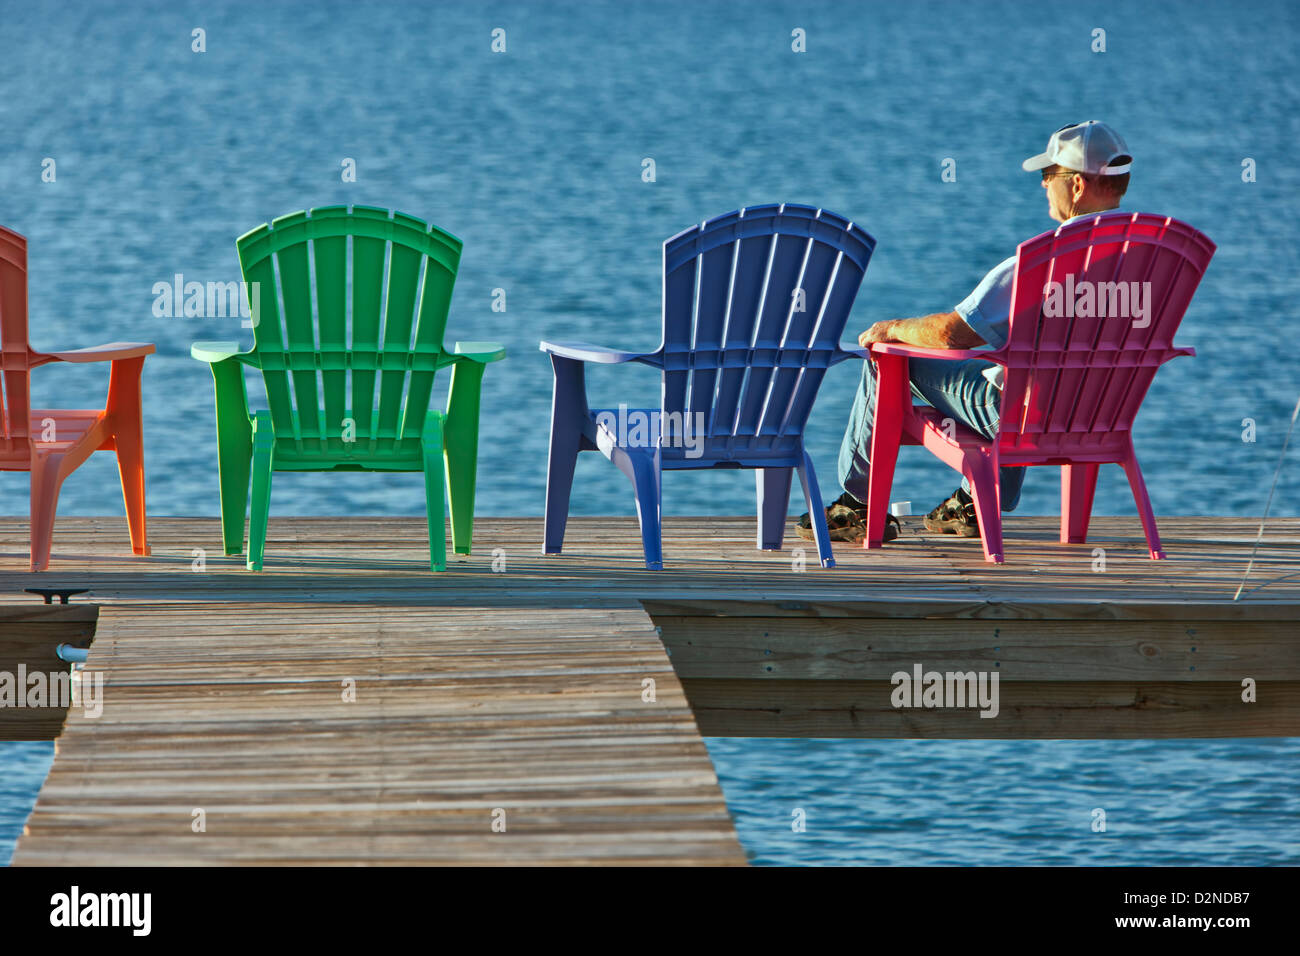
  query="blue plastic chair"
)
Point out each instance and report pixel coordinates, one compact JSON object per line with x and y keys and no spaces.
{"x":754,"y":303}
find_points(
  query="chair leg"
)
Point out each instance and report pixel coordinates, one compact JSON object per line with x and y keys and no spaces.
{"x":1078,"y":483}
{"x":773,"y":502}
{"x":263,"y":448}
{"x":460,"y":448}
{"x":568,"y":410}
{"x":45,"y":484}
{"x":435,"y":479}
{"x":982,"y":471}
{"x":812,"y":494}
{"x":126,"y":414}
{"x":234,"y":453}
{"x":563,"y":459}
{"x":647,"y":484}
{"x":893,"y":402}
{"x":235,"y":470}
{"x":130,"y":468}
{"x":1143,"y":505}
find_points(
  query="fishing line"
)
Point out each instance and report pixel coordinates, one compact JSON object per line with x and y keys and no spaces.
{"x":1268,"y":504}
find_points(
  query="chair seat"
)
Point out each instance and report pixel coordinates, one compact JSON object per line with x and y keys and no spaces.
{"x":311,"y":454}
{"x":703,"y":451}
{"x":633,"y":429}
{"x":387,"y":462}
{"x":70,"y":427}
{"x":928,"y":421}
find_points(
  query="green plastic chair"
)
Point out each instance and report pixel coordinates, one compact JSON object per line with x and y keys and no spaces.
{"x":321,"y":361}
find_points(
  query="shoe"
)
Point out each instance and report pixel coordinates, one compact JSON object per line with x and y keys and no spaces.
{"x":955,"y":516}
{"x":846,"y":519}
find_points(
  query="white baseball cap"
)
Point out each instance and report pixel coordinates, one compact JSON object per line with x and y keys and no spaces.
{"x":1092,"y":147}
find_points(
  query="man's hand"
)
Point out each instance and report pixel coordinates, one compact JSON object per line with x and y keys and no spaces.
{"x":942,"y":330}
{"x":880,"y":332}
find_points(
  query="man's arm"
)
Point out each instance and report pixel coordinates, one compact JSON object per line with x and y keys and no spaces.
{"x":942,"y":330}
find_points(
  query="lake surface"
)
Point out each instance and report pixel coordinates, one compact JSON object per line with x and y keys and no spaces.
{"x":534,"y":157}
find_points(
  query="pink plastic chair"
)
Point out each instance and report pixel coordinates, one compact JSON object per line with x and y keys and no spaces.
{"x":1073,"y":382}
{"x":51,"y":443}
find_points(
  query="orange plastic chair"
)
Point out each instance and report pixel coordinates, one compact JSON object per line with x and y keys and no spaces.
{"x":51,"y":443}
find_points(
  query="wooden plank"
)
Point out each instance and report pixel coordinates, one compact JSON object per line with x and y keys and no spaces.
{"x":852,"y":648}
{"x":1058,"y":710}
{"x":1026,"y":607}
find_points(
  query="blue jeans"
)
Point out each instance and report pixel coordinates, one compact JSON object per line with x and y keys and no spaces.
{"x":958,"y":390}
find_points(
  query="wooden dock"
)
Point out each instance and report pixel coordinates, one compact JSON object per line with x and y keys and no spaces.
{"x":345,"y":705}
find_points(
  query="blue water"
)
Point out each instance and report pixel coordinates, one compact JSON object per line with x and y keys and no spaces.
{"x":534,"y":158}
{"x":1014,"y":802}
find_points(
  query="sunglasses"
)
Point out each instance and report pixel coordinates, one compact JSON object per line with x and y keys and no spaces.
{"x":1050,"y":174}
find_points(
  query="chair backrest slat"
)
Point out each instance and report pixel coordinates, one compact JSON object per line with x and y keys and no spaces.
{"x":1095,"y":306}
{"x":679,"y":303}
{"x":300,"y":337}
{"x":754,"y":304}
{"x":797,"y":355}
{"x":715,"y":283}
{"x":779,"y":288}
{"x":268,"y":335}
{"x":1084,"y":386}
{"x":430,"y":323}
{"x":399,"y":314}
{"x":751,"y":258}
{"x":330,"y":259}
{"x":367,"y":306}
{"x":841,"y":288}
{"x":364,"y":295}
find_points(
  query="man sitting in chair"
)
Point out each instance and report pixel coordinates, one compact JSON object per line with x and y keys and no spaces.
{"x":1085,"y":170}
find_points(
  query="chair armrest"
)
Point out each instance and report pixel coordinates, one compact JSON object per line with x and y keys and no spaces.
{"x":481,"y":351}
{"x":916,"y":351}
{"x":102,"y":353}
{"x":583,"y":352}
{"x":212,"y":352}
